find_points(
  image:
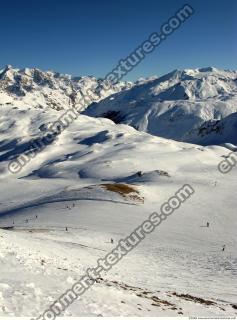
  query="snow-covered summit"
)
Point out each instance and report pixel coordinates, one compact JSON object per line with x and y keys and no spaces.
{"x":174,"y":105}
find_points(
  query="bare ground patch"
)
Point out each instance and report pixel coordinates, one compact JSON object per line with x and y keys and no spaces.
{"x":139,"y":292}
{"x":162,"y":302}
{"x":125,"y":190}
{"x":189,"y":297}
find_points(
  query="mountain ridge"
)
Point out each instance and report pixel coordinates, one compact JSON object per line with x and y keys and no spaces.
{"x":173,"y":106}
{"x":48,"y":89}
{"x":177,"y":105}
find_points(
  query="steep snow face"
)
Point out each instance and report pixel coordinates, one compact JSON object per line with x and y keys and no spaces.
{"x":174,"y":105}
{"x":39,"y":89}
{"x":217,"y":131}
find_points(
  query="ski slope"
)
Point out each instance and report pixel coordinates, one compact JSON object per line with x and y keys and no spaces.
{"x":179,"y":269}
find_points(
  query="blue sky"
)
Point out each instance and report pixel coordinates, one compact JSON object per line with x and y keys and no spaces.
{"x":90,"y":37}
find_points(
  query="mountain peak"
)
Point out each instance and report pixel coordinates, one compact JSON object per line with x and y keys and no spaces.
{"x":174,"y":105}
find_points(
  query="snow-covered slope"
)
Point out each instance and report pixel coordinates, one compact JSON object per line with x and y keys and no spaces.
{"x":72,"y":183}
{"x":217,"y":131}
{"x":174,"y":106}
{"x":48,"y":89}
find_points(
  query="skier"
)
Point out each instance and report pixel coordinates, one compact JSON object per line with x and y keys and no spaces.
{"x":112,"y":240}
{"x":223,"y":248}
{"x":36,"y":217}
{"x":139,"y":173}
{"x":208,"y":224}
{"x":66,"y":229}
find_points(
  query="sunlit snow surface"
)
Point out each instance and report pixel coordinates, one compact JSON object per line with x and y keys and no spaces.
{"x":39,"y":259}
{"x":178,"y":105}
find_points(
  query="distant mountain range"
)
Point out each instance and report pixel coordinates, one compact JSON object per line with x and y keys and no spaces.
{"x":192,"y":105}
{"x":48,"y":89}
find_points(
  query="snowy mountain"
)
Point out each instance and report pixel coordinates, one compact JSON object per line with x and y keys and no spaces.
{"x":73,"y":200}
{"x":43,"y":90}
{"x":175,"y":105}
